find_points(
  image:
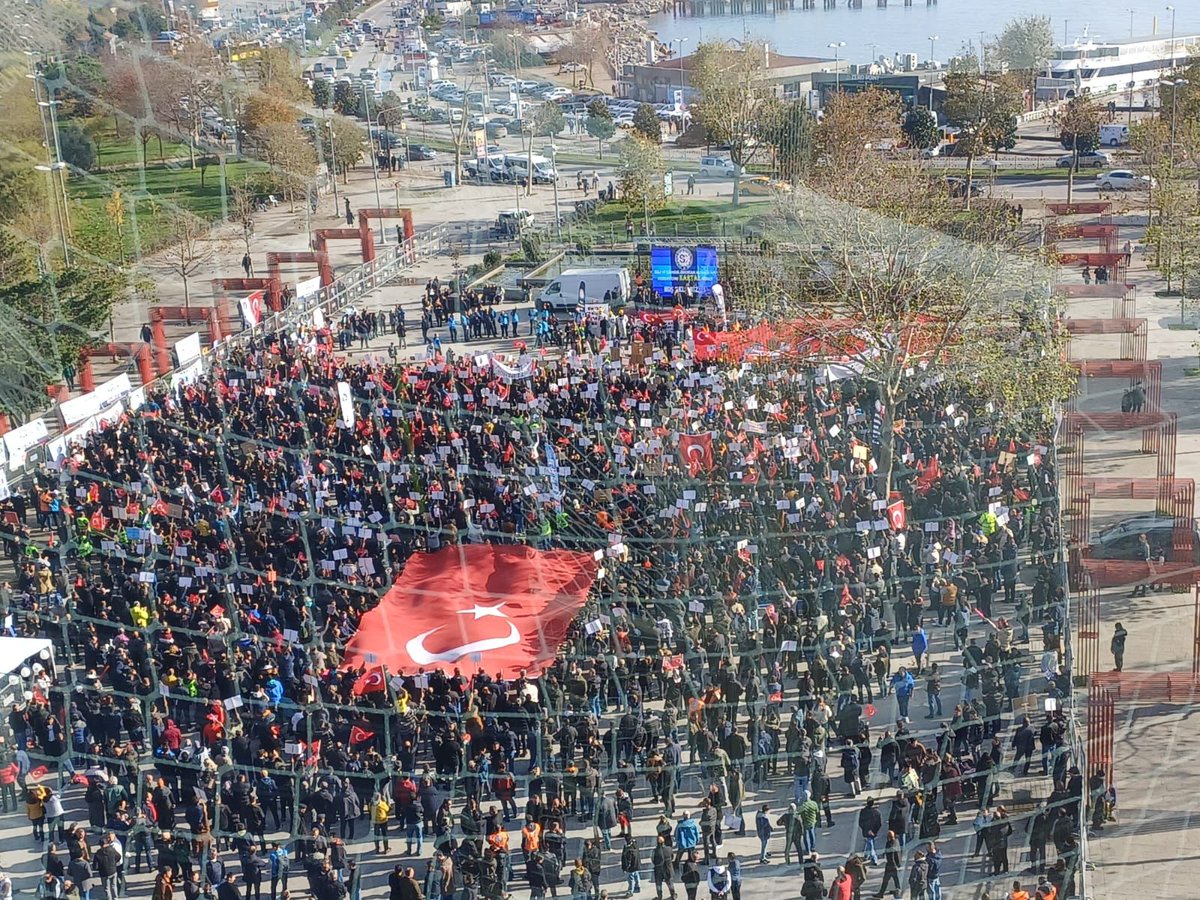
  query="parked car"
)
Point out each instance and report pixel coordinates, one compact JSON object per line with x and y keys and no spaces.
{"x":419,"y":152}
{"x":958,"y":187}
{"x":1121,"y":541}
{"x":497,"y":130}
{"x":1123,"y":180}
{"x":762,"y":186}
{"x":718,"y":166}
{"x":1096,"y":160}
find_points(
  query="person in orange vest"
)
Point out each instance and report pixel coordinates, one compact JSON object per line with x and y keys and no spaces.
{"x":1017,"y":892}
{"x":531,"y":839}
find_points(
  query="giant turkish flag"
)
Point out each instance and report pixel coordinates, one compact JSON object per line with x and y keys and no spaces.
{"x":696,"y":452}
{"x":500,"y":608}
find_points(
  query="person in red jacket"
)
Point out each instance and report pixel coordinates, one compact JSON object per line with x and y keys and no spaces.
{"x":8,"y":785}
{"x":842,"y":887}
{"x":505,"y":789}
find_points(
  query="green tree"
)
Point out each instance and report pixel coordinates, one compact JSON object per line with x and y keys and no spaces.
{"x":1079,"y":132}
{"x":346,"y":100}
{"x":640,"y":176}
{"x":921,"y":128}
{"x":732,"y":98}
{"x":78,"y":149}
{"x":391,"y":110}
{"x":47,"y":317}
{"x":345,"y":142}
{"x":85,"y":82}
{"x":599,"y":123}
{"x":985,"y":110}
{"x":792,"y":134}
{"x":1024,"y":45}
{"x":322,"y":93}
{"x":647,"y":124}
{"x":549,"y":120}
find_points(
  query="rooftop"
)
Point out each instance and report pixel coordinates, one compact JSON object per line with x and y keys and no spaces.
{"x":777,"y":61}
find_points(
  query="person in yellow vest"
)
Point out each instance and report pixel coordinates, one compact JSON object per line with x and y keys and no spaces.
{"x":381,"y":812}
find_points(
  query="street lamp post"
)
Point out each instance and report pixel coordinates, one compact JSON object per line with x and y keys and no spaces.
{"x":932,"y":68}
{"x":62,"y":228}
{"x":681,"y":42}
{"x":1171,"y":10}
{"x":554,"y":167}
{"x":374,"y":163}
{"x":337,"y":207}
{"x":836,"y":47}
{"x":1175,"y":86}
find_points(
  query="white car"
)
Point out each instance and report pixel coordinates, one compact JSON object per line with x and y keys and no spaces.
{"x":1123,"y":180}
{"x":557,"y":93}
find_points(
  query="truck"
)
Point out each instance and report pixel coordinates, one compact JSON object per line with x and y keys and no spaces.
{"x":1114,"y":135}
{"x":563,"y":294}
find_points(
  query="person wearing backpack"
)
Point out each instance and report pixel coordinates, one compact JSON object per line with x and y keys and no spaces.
{"x":580,"y":882}
{"x":691,"y":875}
{"x":631,"y":864}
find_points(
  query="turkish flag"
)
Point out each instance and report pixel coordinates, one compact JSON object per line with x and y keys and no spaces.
{"x":500,"y":608}
{"x":896,"y":516}
{"x":39,"y":772}
{"x":370,"y":682}
{"x":360,"y":735}
{"x":929,"y":477}
{"x":695,"y":452}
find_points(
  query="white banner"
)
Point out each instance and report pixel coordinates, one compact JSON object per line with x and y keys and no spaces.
{"x":77,"y":409}
{"x":346,"y":403}
{"x":20,"y":441}
{"x":308,"y":287}
{"x":318,"y":318}
{"x":523,"y":369}
{"x":187,"y":376}
{"x":188,"y":349}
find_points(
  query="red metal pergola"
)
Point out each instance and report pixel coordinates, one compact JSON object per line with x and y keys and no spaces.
{"x":1133,"y":332}
{"x":275,"y":259}
{"x":1123,"y":296}
{"x":1082,"y":208}
{"x":391,"y":212}
{"x":1107,"y":235}
{"x":1116,"y":263}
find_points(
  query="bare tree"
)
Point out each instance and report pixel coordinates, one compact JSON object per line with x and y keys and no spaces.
{"x":190,"y":249}
{"x":243,"y":204}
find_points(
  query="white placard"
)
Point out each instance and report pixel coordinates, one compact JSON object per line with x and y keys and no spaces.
{"x":188,"y":349}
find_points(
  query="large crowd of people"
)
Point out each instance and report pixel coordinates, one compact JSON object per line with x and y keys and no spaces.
{"x":201,"y":563}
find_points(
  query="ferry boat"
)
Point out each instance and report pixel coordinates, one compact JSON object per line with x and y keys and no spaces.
{"x":1091,"y":66}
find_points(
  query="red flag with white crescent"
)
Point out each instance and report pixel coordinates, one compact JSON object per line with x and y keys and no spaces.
{"x":500,"y":608}
{"x":696,"y":453}
{"x":896,"y":516}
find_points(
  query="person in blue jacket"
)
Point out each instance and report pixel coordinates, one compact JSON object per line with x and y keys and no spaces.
{"x":903,"y":684}
{"x":687,"y":837}
{"x":920,"y":646}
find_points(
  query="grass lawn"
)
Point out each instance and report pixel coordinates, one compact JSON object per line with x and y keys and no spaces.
{"x":125,"y":149}
{"x":142,"y":191}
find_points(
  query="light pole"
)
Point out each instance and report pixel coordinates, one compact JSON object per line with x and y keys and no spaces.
{"x":554,"y":167}
{"x":62,"y":228}
{"x":932,"y":68}
{"x":337,"y":207}
{"x":681,"y":42}
{"x":371,"y":142}
{"x":1171,"y":10}
{"x":1175,"y":86}
{"x":836,"y":47}
{"x":59,"y":164}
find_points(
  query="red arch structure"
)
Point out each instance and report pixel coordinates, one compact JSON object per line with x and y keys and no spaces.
{"x":1114,"y":262}
{"x":222,"y":287}
{"x":134,"y":350}
{"x":1149,"y":372}
{"x":1134,"y":336}
{"x":322,"y":236}
{"x":276,"y":258}
{"x":391,"y":212}
{"x":1123,"y":296}
{"x":1083,"y":208}
{"x":160,"y":315}
{"x":1107,"y":235}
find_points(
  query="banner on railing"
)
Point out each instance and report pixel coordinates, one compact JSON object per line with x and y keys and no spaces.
{"x":77,"y":409}
{"x":308,"y":287}
{"x":20,"y":441}
{"x":187,"y":350}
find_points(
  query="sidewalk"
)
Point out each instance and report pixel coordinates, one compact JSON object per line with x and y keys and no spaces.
{"x":1156,"y":747}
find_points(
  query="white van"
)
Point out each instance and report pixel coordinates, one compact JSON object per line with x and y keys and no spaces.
{"x":518,"y":164}
{"x":1114,"y":135}
{"x":561,"y":296}
{"x":717,"y":165}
